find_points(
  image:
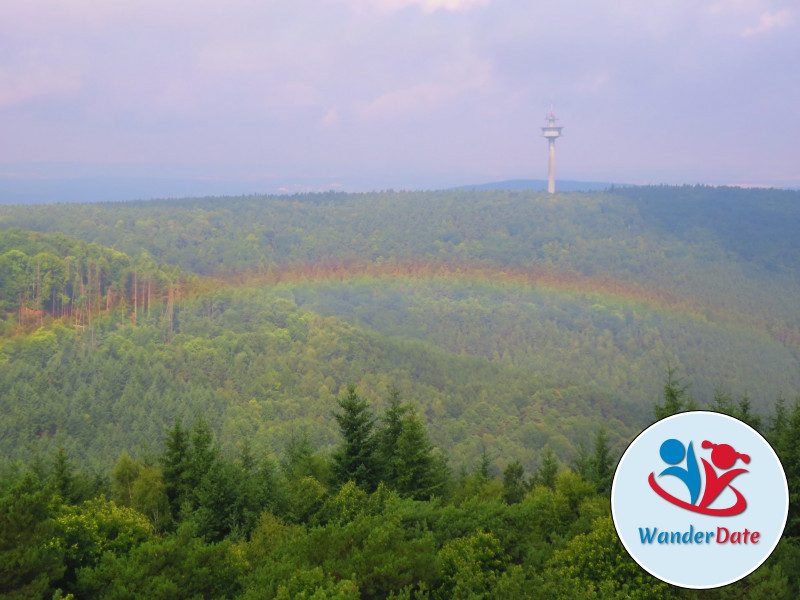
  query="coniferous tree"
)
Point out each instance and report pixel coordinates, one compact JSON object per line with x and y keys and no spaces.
{"x":785,"y":437}
{"x":596,"y":467}
{"x":301,"y":460}
{"x":63,"y":476}
{"x":355,"y":459}
{"x":484,"y":465}
{"x":388,"y":436}
{"x":418,"y":475}
{"x":175,"y":466}
{"x":514,"y":487}
{"x":203,"y":454}
{"x":602,"y":463}
{"x":582,"y":463}
{"x":676,"y":398}
{"x":29,"y":561}
{"x":548,"y":469}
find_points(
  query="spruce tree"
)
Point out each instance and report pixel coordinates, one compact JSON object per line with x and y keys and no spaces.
{"x":355,"y":459}
{"x":602,"y":463}
{"x":548,"y":469}
{"x":676,"y":399}
{"x":514,"y":487}
{"x":388,"y":436}
{"x":30,"y":563}
{"x":414,"y":463}
{"x":175,"y":466}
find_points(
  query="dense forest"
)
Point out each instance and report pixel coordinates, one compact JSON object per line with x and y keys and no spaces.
{"x":394,"y":394}
{"x":381,"y":516}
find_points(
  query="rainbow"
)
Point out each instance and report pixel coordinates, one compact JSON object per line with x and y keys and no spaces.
{"x":598,"y":289}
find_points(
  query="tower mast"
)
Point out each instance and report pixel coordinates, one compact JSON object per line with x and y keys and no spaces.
{"x":551,"y":132}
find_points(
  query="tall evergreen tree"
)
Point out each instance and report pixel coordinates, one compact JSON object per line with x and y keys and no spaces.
{"x":388,"y":436}
{"x":355,"y":459}
{"x":175,"y":466}
{"x":602,"y":463}
{"x":418,"y":475}
{"x":29,"y":560}
{"x":676,"y":398}
{"x":596,"y":466}
{"x":203,"y":454}
{"x":785,"y":437}
{"x":548,"y":469}
{"x":63,"y":476}
{"x":514,"y":487}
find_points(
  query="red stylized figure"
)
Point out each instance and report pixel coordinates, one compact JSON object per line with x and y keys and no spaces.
{"x":724,"y":457}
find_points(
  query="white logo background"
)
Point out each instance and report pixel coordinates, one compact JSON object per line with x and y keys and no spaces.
{"x":635,"y":505}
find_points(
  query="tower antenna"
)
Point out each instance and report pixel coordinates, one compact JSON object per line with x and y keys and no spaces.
{"x":551,"y":132}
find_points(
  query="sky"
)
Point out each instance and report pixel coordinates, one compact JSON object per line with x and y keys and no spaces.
{"x":411,"y":94}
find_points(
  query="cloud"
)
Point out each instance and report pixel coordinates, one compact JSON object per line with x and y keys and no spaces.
{"x":768,"y":21}
{"x":409,"y":100}
{"x":453,"y":76}
{"x":427,"y":6}
{"x":331,"y":119}
{"x":18,"y":86}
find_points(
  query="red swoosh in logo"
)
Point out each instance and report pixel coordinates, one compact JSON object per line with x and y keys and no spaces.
{"x":737,"y":508}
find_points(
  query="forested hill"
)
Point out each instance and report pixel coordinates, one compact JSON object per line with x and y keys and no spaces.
{"x":511,"y":319}
{"x":757,"y":225}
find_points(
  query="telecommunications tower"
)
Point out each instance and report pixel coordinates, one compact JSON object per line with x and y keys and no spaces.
{"x":551,"y":132}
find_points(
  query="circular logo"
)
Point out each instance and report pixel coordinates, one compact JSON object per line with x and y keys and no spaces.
{"x":699,"y":499}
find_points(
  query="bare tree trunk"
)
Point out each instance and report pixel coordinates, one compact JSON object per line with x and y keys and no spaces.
{"x":170,"y":304}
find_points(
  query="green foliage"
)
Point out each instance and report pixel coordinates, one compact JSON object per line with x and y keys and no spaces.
{"x":785,"y":438}
{"x":376,"y":551}
{"x":471,"y":567}
{"x":389,"y":433}
{"x":89,"y":530}
{"x":54,"y":276}
{"x":676,"y":398}
{"x":174,"y":568}
{"x":419,"y":472}
{"x":356,"y":458}
{"x":30,"y":561}
{"x":742,"y":410}
{"x":595,"y":565}
{"x":175,"y":466}
{"x":314,"y":585}
{"x":547,"y":471}
{"x":514,"y":485}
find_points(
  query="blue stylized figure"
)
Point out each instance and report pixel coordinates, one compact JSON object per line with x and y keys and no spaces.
{"x":672,"y":452}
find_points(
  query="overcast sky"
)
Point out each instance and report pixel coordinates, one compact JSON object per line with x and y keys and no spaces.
{"x":402,"y":93}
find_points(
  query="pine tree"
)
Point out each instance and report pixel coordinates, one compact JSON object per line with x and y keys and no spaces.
{"x":175,"y":466}
{"x":414,"y":462}
{"x":676,"y":399}
{"x":514,"y":487}
{"x":596,"y":467}
{"x":548,"y":469}
{"x":785,"y":438}
{"x":63,"y":476}
{"x":355,"y":459}
{"x":602,"y":471}
{"x":388,"y":436}
{"x":29,"y":560}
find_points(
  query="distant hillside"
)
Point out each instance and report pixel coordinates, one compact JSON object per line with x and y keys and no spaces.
{"x":540,"y":185}
{"x":511,"y":318}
